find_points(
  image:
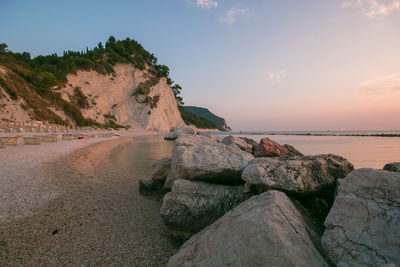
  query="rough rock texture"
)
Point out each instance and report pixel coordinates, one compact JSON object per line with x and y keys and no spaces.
{"x":393,"y":167}
{"x":293,"y":152}
{"x":363,"y":226}
{"x":302,"y":175}
{"x":180,"y":131}
{"x":212,"y":137}
{"x":199,"y":158}
{"x":161,"y":169}
{"x":191,"y":206}
{"x":113,"y":95}
{"x":265,"y":230}
{"x":245,"y":144}
{"x":269,"y":148}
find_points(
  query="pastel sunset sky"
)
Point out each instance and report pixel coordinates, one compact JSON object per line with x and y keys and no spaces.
{"x":260,"y":64}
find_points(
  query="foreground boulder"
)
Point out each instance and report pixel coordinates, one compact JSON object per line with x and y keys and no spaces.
{"x":191,"y":206}
{"x":180,"y":131}
{"x":293,"y":152}
{"x":363,"y":226}
{"x":265,"y":230}
{"x":269,"y":148}
{"x":199,"y":158}
{"x":393,"y":167}
{"x":245,"y":144}
{"x":300,"y":175}
{"x":161,"y":169}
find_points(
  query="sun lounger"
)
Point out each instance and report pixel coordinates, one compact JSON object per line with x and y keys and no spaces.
{"x":49,"y":138}
{"x":31,"y":141}
{"x":68,"y":137}
{"x":11,"y":141}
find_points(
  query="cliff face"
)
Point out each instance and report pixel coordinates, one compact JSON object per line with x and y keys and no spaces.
{"x":101,"y":98}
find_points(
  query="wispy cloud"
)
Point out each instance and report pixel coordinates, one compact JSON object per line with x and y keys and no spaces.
{"x":206,"y":3}
{"x":233,"y":14}
{"x":276,"y":77}
{"x":373,"y":8}
{"x":384,"y":86}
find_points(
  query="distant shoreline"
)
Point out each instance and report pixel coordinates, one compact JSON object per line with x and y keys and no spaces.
{"x":313,"y":134}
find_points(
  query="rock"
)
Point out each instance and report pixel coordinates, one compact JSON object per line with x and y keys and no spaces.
{"x":300,"y":175}
{"x":245,"y":144}
{"x":363,"y":226}
{"x":180,"y":131}
{"x":191,"y":206}
{"x":269,"y":148}
{"x":212,"y":137}
{"x":293,"y":152}
{"x":153,"y":189}
{"x":199,"y":158}
{"x":265,"y":230}
{"x":393,"y":167}
{"x":161,"y":169}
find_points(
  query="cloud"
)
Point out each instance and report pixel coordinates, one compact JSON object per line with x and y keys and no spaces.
{"x":276,"y":77}
{"x":233,"y":14}
{"x":206,"y":3}
{"x":384,"y":86}
{"x":373,"y":8}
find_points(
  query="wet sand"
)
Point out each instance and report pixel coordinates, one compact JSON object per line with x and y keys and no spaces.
{"x":97,"y":216}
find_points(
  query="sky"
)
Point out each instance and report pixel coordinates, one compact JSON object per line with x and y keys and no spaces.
{"x":260,"y":64}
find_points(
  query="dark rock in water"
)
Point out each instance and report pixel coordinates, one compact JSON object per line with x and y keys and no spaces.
{"x":269,"y":148}
{"x":265,"y":230}
{"x":201,"y":159}
{"x":393,"y":167}
{"x":180,"y":131}
{"x":363,"y":226}
{"x":245,"y":144}
{"x":293,"y":152}
{"x":161,"y":169}
{"x":300,"y":175}
{"x":153,"y":189}
{"x":191,"y":206}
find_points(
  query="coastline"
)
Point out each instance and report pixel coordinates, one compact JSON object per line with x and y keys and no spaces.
{"x":69,"y":206}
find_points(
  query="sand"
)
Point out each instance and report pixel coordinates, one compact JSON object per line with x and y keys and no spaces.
{"x":64,"y":204}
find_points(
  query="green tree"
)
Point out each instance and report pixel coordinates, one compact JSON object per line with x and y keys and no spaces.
{"x":176,"y":89}
{"x":3,"y":47}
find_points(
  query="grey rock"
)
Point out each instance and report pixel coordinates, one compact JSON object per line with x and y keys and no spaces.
{"x":363,"y":226}
{"x":301,"y":175}
{"x":245,"y":144}
{"x":191,"y":206}
{"x":265,"y":230}
{"x":161,"y":169}
{"x":293,"y":152}
{"x":180,"y":131}
{"x":199,"y":158}
{"x":153,"y":189}
{"x":393,"y":167}
{"x":212,"y":137}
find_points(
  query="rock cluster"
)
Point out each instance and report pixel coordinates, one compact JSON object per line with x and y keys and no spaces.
{"x":180,"y":131}
{"x":238,"y":210}
{"x":393,"y":167}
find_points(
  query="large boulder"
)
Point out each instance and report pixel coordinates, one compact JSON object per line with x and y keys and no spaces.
{"x":191,"y":206}
{"x":270,"y":148}
{"x":161,"y":169}
{"x":153,"y":189}
{"x":293,"y":152}
{"x":393,"y":167}
{"x":265,"y":230}
{"x":300,"y":175}
{"x":363,"y":226}
{"x":245,"y":144}
{"x":199,"y":158}
{"x":180,"y":131}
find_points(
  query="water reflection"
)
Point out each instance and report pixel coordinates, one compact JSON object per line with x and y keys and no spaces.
{"x":138,"y":157}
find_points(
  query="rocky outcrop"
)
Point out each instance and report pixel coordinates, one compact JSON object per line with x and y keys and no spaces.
{"x":293,"y":152}
{"x":363,"y":226}
{"x":245,"y":144}
{"x":180,"y":131}
{"x":265,"y":230}
{"x":161,"y":169}
{"x":199,"y":158}
{"x":393,"y":167}
{"x":269,"y":148}
{"x":212,"y":137}
{"x":300,"y":175}
{"x":191,"y":206}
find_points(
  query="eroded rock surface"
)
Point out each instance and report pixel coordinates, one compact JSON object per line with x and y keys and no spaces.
{"x":293,"y":152}
{"x":180,"y":131}
{"x":199,"y":158}
{"x":265,"y":230}
{"x":269,"y":148}
{"x":393,"y":167}
{"x":191,"y":206}
{"x":301,"y":175}
{"x":161,"y":169}
{"x":363,"y":226}
{"x":245,"y":144}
